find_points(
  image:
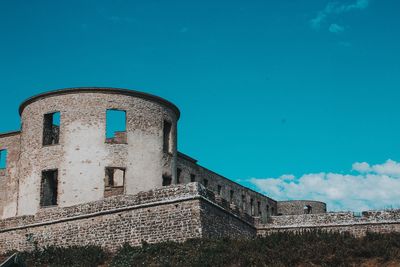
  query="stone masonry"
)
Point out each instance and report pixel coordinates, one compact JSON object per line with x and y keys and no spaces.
{"x":66,"y":183}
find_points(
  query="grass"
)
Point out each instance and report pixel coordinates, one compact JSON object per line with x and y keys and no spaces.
{"x":281,"y":249}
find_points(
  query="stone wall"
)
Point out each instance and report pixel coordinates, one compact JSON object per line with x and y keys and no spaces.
{"x":9,"y":176}
{"x":83,"y":151}
{"x":297,"y":207}
{"x":374,"y":221}
{"x":237,"y":195}
{"x":175,"y":213}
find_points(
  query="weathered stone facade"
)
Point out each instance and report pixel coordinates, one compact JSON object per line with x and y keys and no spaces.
{"x":372,"y":221}
{"x":67,"y":183}
{"x":177,"y":213}
{"x":298,"y":207}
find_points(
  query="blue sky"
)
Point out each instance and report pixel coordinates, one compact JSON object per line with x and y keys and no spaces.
{"x":266,"y":88}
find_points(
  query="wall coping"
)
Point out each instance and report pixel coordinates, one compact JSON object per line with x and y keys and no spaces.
{"x":332,"y":219}
{"x":10,"y":133}
{"x":101,"y":90}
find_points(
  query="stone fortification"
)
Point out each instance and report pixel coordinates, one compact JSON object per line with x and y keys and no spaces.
{"x":373,"y":221}
{"x":174,"y":213}
{"x":68,"y":181}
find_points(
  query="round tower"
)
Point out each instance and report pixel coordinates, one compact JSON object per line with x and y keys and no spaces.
{"x":69,"y":154}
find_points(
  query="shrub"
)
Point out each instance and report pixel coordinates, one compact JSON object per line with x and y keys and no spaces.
{"x":70,"y":256}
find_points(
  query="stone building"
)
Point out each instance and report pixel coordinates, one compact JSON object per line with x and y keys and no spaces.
{"x":67,"y":168}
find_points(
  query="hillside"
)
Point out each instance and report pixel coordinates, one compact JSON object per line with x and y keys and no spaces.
{"x":281,"y":249}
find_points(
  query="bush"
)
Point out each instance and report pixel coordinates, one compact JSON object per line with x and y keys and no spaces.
{"x":279,"y":249}
{"x":308,"y":248}
{"x":60,"y":256}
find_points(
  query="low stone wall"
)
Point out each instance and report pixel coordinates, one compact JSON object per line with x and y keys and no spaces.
{"x":373,"y":221}
{"x":296,"y":207}
{"x":174,"y":213}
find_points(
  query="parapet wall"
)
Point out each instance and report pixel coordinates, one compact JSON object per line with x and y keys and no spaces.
{"x":373,"y":221}
{"x":298,"y":207}
{"x":174,"y":213}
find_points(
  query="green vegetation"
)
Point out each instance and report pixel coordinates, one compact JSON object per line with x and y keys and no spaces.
{"x":87,"y":256}
{"x":280,"y":249}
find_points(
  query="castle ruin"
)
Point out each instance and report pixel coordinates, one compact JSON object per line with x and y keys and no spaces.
{"x":66,"y":180}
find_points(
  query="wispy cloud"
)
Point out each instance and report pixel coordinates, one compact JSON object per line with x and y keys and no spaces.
{"x":335,"y":28}
{"x":365,"y":187}
{"x":335,"y":8}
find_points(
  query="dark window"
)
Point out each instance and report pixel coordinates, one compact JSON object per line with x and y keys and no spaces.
{"x":272,"y":211}
{"x":259,"y":208}
{"x":205,"y":182}
{"x":192,"y":178}
{"x":252,"y":207}
{"x":307,"y":209}
{"x":116,"y":126}
{"x":244,"y":202}
{"x":231,"y":193}
{"x":167,"y":137}
{"x":115,"y":177}
{"x":219,"y":189}
{"x":267,"y":210}
{"x":3,"y":159}
{"x":166,"y":180}
{"x":51,"y":129}
{"x":178,"y":176}
{"x":49,"y":188}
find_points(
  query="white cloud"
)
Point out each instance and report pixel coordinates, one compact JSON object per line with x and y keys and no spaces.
{"x":361,"y":167}
{"x":390,"y":167}
{"x":334,"y":8}
{"x":335,"y":28}
{"x":373,"y":187}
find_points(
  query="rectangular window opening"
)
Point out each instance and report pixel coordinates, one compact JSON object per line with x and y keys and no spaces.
{"x":178,"y":176}
{"x":51,"y":128}
{"x":219,"y":189}
{"x":244,"y":203}
{"x":166,"y":180}
{"x":205,"y":182}
{"x":259,"y":208}
{"x":252,"y":207}
{"x":115,"y":177}
{"x":167,"y":137}
{"x":3,"y":159}
{"x":231,"y":194}
{"x":116,"y":126}
{"x":49,"y":188}
{"x":192,"y":178}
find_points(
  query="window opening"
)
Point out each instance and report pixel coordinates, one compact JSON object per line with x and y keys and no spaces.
{"x":3,"y":159}
{"x":51,"y":129}
{"x":167,"y":137}
{"x":49,"y":188}
{"x":178,"y":176}
{"x":166,"y":180}
{"x":116,"y":126}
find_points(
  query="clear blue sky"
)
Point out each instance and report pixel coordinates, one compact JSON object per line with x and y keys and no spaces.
{"x":265,"y":88}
